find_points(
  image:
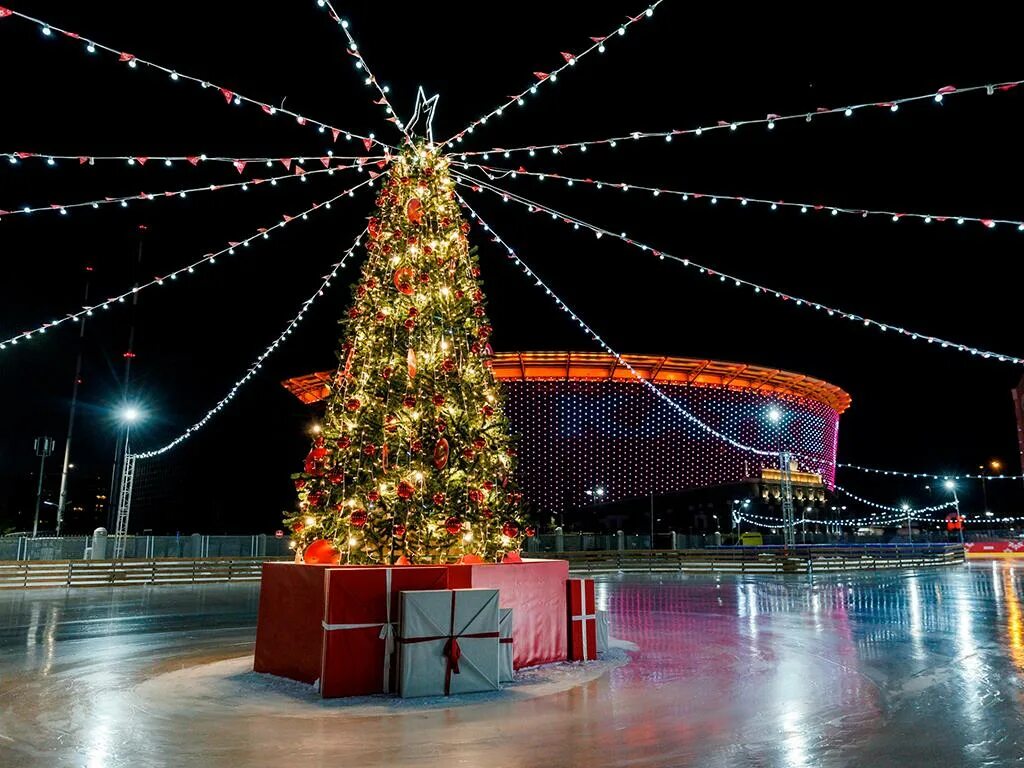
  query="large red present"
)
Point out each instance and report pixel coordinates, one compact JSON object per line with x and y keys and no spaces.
{"x":359,"y":617}
{"x":535,"y":591}
{"x":582,"y":620}
{"x":288,"y":628}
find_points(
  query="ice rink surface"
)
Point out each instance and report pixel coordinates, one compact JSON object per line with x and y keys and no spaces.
{"x":891,"y":668}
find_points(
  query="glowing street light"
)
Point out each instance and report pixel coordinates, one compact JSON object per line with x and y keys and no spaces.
{"x":129,"y":414}
{"x":774,"y":415}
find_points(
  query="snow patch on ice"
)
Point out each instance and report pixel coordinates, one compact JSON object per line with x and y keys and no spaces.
{"x":231,"y":686}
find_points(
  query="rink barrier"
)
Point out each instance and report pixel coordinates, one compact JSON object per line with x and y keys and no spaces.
{"x":28,"y":574}
{"x":798,"y":559}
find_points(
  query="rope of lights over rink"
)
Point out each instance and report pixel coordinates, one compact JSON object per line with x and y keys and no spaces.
{"x":569,"y":60}
{"x":140,"y":161}
{"x":258,"y":362}
{"x":64,"y":208}
{"x":210,"y":258}
{"x":370,"y":80}
{"x":768,"y":121}
{"x":497,"y":174}
{"x":604,"y":345}
{"x":478,"y":185}
{"x":230,"y":96}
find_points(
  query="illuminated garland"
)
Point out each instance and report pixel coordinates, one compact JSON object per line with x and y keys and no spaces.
{"x":769,"y":121}
{"x":598,"y":43}
{"x":230,"y":96}
{"x":478,"y":184}
{"x":493,"y":173}
{"x":370,"y":81}
{"x":926,"y":475}
{"x":593,"y":334}
{"x":63,"y":208}
{"x":887,"y":508}
{"x":14,"y":158}
{"x":210,"y":258}
{"x":258,"y":363}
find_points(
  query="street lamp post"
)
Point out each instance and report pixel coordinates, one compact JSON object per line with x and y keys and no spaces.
{"x":951,"y":486}
{"x":44,"y":448}
{"x":129,"y":414}
{"x":910,"y":534}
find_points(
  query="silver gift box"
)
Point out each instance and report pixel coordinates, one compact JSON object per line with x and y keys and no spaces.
{"x":448,"y":642}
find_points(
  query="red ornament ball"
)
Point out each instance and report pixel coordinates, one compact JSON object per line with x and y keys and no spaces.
{"x":468,"y":454}
{"x":399,"y":530}
{"x":510,"y":529}
{"x":447,"y":365}
{"x":414,"y":211}
{"x":439,"y":499}
{"x":487,"y":411}
{"x":438,"y":400}
{"x":344,"y":442}
{"x":373,"y":496}
{"x":488,"y":485}
{"x":409,"y":401}
{"x":386,"y":372}
{"x":336,"y":476}
{"x":403,"y":280}
{"x":413,"y":312}
{"x":530,"y":531}
{"x":370,"y":449}
{"x":488,"y":514}
{"x":480,"y":443}
{"x":441,"y":450}
{"x":297,"y":526}
{"x":352,"y":405}
{"x":416,"y":446}
{"x":453,"y":525}
{"x":321,"y":552}
{"x":478,"y":311}
{"x":300,"y":484}
{"x":475,"y":495}
{"x":405,"y":489}
{"x":358,"y":518}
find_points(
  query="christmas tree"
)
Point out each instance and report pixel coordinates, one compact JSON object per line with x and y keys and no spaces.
{"x":414,"y":459}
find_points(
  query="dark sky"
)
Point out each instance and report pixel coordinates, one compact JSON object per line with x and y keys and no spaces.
{"x":914,"y":406}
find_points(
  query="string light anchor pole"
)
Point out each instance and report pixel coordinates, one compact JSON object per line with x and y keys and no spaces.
{"x":44,"y":448}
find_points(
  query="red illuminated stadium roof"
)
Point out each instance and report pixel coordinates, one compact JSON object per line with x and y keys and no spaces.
{"x":591,"y":366}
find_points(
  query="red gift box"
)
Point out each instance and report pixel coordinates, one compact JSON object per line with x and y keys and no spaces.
{"x":288,"y":629}
{"x":582,"y":620}
{"x":359,"y":616}
{"x":535,"y":591}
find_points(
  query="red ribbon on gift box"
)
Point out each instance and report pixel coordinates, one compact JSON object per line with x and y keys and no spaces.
{"x":452,"y":652}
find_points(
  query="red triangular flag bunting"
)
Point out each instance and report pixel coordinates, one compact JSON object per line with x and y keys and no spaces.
{"x":4,"y":12}
{"x":299,"y":171}
{"x":286,"y":162}
{"x":228,"y":95}
{"x":142,"y":160}
{"x":334,"y":133}
{"x":568,"y":56}
{"x":541,"y":75}
{"x":125,"y":57}
{"x":267,"y":108}
{"x":988,"y":223}
{"x":368,"y":143}
{"x":193,"y":159}
{"x":232,"y":243}
{"x":325,"y":160}
{"x":374,"y":174}
{"x":83,"y":160}
{"x":947,"y":89}
{"x":239,"y":165}
{"x":286,"y":217}
{"x":300,"y":120}
{"x":598,"y":39}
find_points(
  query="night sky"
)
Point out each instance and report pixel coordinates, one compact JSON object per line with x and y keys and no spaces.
{"x":915,"y":406}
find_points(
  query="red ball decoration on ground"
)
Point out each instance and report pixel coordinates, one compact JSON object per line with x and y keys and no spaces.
{"x":453,"y":525}
{"x":414,"y":211}
{"x":321,"y":552}
{"x":510,"y":529}
{"x":405,"y":489}
{"x":441,"y":453}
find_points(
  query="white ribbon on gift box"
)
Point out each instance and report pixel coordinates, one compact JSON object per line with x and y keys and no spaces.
{"x":387,"y":630}
{"x":583,"y":616}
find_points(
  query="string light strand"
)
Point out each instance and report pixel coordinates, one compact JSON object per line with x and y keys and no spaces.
{"x":258,"y":362}
{"x":494,"y":173}
{"x":210,"y":258}
{"x":769,"y":121}
{"x":570,"y":59}
{"x":604,"y":345}
{"x":140,"y":161}
{"x":478,"y":184}
{"x":63,"y":208}
{"x":230,"y":96}
{"x":370,"y":80}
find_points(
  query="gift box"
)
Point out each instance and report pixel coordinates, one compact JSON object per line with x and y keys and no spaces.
{"x":358,"y":628}
{"x":582,"y":620}
{"x":288,"y":631}
{"x":535,"y":590}
{"x":602,"y":631}
{"x":448,"y":642}
{"x":505,"y":652}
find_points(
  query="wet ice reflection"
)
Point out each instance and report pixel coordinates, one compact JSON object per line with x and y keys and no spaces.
{"x":884,"y":668}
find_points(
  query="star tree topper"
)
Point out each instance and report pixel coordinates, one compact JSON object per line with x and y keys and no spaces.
{"x":424,"y":108}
